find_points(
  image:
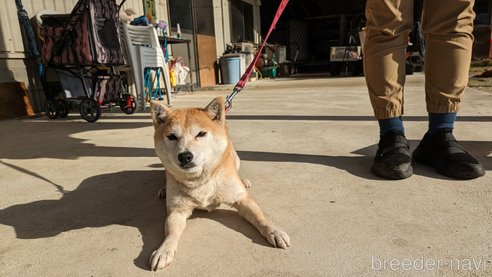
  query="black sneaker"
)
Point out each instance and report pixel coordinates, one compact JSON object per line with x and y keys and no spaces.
{"x":442,"y":152}
{"x":393,"y":159}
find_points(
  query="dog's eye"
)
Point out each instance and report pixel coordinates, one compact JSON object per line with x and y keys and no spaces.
{"x":172,"y":137}
{"x":201,"y":134}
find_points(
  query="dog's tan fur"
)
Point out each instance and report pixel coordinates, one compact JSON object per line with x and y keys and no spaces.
{"x":212,"y":179}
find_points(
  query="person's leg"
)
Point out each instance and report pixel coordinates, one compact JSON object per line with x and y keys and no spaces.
{"x":447,"y":26}
{"x":387,"y":29}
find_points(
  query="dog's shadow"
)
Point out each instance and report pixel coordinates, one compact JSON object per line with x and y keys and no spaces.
{"x":127,"y":198}
{"x":232,"y":220}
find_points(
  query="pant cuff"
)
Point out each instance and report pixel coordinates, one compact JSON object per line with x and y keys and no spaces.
{"x":448,"y":108}
{"x":387,"y":113}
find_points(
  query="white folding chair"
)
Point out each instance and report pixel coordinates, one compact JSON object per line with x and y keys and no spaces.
{"x":145,"y":52}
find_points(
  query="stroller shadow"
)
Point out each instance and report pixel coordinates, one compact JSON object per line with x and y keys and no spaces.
{"x":57,"y":136}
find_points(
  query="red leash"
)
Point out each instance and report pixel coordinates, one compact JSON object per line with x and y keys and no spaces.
{"x":242,"y":82}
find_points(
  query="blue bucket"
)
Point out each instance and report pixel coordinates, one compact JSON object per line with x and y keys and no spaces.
{"x":230,"y":68}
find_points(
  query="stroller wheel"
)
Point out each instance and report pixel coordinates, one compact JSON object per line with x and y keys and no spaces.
{"x":51,"y":109}
{"x":90,"y":110}
{"x":62,"y":108}
{"x":128,"y":104}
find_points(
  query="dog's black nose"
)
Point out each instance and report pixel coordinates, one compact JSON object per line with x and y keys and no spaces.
{"x":185,"y":157}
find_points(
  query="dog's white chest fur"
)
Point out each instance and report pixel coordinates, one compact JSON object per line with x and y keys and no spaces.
{"x":207,"y":196}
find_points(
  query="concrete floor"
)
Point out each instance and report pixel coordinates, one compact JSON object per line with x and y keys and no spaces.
{"x":79,"y":199}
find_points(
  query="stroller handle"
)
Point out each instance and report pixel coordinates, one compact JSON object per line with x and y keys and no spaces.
{"x":121,"y":4}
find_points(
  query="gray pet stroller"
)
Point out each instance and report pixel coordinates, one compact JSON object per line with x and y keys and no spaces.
{"x":80,"y":53}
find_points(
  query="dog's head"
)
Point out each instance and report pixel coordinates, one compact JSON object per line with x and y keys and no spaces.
{"x":190,"y":142}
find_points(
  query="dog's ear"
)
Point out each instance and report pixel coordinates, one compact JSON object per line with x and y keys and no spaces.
{"x":159,"y":112}
{"x":216,"y":109}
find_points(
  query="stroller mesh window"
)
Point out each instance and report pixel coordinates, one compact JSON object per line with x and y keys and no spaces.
{"x":94,"y":37}
{"x":106,"y":28}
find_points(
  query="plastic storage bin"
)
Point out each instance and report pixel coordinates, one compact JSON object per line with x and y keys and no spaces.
{"x":230,"y":68}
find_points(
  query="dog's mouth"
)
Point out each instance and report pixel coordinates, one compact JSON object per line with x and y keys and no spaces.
{"x":187,"y":166}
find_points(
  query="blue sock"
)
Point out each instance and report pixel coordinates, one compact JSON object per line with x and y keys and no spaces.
{"x":441,"y":121}
{"x":390,"y":125}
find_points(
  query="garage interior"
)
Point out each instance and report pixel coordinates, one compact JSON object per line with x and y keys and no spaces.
{"x":309,"y":28}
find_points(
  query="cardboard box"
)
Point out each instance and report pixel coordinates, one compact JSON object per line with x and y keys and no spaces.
{"x":345,"y":53}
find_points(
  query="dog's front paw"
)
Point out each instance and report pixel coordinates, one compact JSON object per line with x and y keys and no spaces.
{"x":278,"y":238}
{"x":161,"y":257}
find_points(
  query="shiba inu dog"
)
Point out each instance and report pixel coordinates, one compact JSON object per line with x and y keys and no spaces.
{"x":201,"y":173}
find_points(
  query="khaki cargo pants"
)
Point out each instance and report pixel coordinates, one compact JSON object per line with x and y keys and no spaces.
{"x":447,"y":27}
